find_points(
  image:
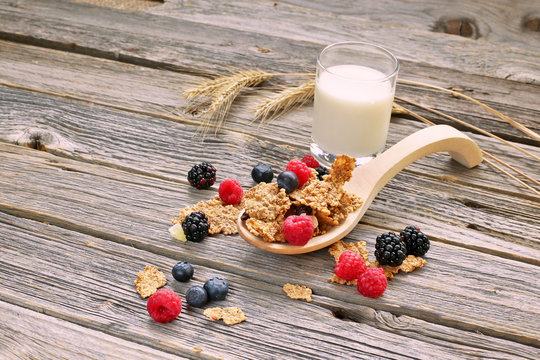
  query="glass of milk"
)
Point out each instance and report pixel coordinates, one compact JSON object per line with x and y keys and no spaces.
{"x":354,"y":92}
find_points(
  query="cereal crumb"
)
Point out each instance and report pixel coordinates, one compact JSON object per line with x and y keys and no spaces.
{"x":222,"y":217}
{"x":337,"y":279}
{"x":359,"y":247}
{"x":149,"y":280}
{"x":298,"y":292}
{"x":197,"y":350}
{"x":410,"y":263}
{"x":230,"y":315}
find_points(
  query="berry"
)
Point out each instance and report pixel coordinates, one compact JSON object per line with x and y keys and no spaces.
{"x":182,"y":271}
{"x":262,"y":173}
{"x":350,"y":265}
{"x":287,"y":180}
{"x":390,"y":249}
{"x":202,"y":176}
{"x":321,"y":171}
{"x":310,"y":161}
{"x":230,"y":191}
{"x":196,"y":296}
{"x":416,"y":241}
{"x":302,"y":171}
{"x":372,"y":282}
{"x":164,"y":305}
{"x":298,"y":229}
{"x":216,"y":288}
{"x":195,"y":226}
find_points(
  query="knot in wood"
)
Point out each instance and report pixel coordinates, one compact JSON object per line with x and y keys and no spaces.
{"x":457,"y":26}
{"x":531,"y":23}
{"x":39,"y":139}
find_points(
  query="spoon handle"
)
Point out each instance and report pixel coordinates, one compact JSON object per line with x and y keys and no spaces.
{"x":375,"y":174}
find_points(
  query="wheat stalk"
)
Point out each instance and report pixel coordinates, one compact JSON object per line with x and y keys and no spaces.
{"x":476,"y":128}
{"x":512,"y":122}
{"x":285,"y":101}
{"x":402,"y":110}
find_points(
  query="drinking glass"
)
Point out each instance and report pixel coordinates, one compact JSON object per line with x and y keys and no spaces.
{"x":354,"y":92}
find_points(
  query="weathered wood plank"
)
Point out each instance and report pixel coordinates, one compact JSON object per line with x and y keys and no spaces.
{"x":122,"y":139}
{"x":101,"y":136}
{"x":187,"y":45}
{"x":133,"y":210}
{"x":501,"y":21}
{"x":158,"y":91}
{"x":98,"y":292}
{"x":26,"y":334}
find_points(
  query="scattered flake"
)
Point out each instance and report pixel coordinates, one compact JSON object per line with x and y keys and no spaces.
{"x":359,"y":247}
{"x":337,"y":279}
{"x":197,"y":350}
{"x":149,"y":280}
{"x":222,"y":217}
{"x":266,"y":202}
{"x":410,"y":263}
{"x":269,"y":230}
{"x":298,"y":292}
{"x":230,"y":315}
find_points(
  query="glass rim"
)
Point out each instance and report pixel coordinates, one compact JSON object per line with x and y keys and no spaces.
{"x":378,"y":47}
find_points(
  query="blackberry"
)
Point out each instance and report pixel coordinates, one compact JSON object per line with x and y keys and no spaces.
{"x":202,"y":176}
{"x":196,"y":226}
{"x":390,"y":249}
{"x":321,"y":170}
{"x":416,"y":241}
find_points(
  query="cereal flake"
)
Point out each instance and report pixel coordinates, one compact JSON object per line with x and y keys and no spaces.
{"x":229,"y":315}
{"x":298,"y":292}
{"x":410,"y":263}
{"x":149,"y":280}
{"x":222,"y":217}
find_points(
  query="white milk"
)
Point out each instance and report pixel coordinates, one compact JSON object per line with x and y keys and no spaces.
{"x":351,"y":116}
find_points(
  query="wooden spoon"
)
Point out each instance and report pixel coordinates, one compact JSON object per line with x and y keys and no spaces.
{"x":367,"y":180}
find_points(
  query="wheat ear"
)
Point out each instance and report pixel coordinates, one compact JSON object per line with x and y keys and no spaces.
{"x":285,"y":101}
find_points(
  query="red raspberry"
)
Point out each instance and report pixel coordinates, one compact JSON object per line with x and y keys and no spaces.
{"x":350,"y":265}
{"x":298,"y":229}
{"x":230,"y":191}
{"x":310,"y":161}
{"x":164,"y":305}
{"x":302,"y":171}
{"x":372,"y":282}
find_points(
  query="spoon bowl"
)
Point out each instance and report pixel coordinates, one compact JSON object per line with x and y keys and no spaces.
{"x":367,"y":180}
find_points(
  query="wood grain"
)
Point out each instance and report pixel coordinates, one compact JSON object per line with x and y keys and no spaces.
{"x":498,"y":21}
{"x":186,"y":45}
{"x":476,"y":200}
{"x":134,"y":211}
{"x":98,"y":293}
{"x":26,"y":334}
{"x":404,"y":27}
{"x":99,"y":134}
{"x":158,"y":92}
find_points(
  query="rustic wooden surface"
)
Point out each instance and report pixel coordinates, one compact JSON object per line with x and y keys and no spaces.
{"x":97,"y":90}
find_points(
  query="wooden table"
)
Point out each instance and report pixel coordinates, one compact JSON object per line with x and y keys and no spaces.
{"x":98,"y":91}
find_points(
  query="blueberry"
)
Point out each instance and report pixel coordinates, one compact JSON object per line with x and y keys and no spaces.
{"x":216,"y":288}
{"x":182,"y":271}
{"x":262,"y":173}
{"x":287,"y":180}
{"x":196,"y":296}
